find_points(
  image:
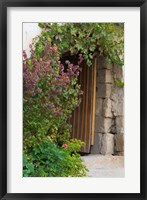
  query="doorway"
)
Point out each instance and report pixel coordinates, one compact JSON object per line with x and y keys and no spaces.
{"x":83,"y":117}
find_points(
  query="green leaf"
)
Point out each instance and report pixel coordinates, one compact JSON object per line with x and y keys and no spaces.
{"x":29,"y":62}
{"x":119,"y":83}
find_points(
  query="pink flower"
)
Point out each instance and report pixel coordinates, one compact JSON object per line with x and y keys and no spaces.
{"x":30,"y":45}
{"x":55,"y":49}
{"x":34,"y":60}
{"x":48,"y":63}
{"x":65,"y":146}
{"x":24,"y":54}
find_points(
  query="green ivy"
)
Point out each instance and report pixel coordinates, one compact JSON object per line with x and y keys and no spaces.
{"x":86,"y":38}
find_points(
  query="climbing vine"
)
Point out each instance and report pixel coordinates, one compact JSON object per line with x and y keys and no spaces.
{"x":85,"y":38}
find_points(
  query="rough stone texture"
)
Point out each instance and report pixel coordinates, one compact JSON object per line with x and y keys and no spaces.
{"x":118,"y":72}
{"x":104,"y":90}
{"x":99,"y":106}
{"x":107,"y":106}
{"x":119,"y":125}
{"x":96,"y":148}
{"x":107,"y":144}
{"x":119,"y":142}
{"x":102,"y":124}
{"x":101,"y":63}
{"x":113,"y":126}
{"x":117,"y":101}
{"x":104,"y":76}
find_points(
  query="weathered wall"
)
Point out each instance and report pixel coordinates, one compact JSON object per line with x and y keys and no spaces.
{"x":109,"y":119}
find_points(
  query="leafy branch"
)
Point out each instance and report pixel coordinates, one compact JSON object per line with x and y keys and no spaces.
{"x":85,"y":38}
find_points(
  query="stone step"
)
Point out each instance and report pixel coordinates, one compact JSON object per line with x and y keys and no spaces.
{"x":104,"y":166}
{"x":100,"y":161}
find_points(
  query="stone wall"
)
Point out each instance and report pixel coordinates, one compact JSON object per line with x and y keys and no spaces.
{"x":109,"y":116}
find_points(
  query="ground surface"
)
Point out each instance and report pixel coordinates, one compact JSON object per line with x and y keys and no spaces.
{"x":104,"y":166}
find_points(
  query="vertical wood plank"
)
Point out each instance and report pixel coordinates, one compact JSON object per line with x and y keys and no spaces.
{"x":79,"y":111}
{"x":83,"y":118}
{"x":86,"y":134}
{"x":90,"y":105}
{"x":83,"y":106}
{"x":93,"y":101}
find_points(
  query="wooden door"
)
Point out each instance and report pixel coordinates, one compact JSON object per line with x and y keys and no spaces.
{"x":83,"y":117}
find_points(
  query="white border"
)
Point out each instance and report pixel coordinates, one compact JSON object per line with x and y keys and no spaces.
{"x":131,"y":182}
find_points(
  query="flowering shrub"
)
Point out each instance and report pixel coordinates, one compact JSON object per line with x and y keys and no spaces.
{"x":51,"y":93}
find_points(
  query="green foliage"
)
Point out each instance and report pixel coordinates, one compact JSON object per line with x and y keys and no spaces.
{"x":46,"y":159}
{"x":86,"y":38}
{"x":74,"y":145}
{"x":51,"y":93}
{"x":119,"y":83}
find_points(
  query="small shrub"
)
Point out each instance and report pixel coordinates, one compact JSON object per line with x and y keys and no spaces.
{"x":46,"y":159}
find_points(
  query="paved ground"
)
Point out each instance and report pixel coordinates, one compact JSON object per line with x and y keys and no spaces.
{"x":104,"y":166}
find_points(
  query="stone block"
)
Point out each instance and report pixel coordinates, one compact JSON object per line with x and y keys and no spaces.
{"x":96,"y":148}
{"x":119,"y":124}
{"x":119,"y":143}
{"x":118,"y":72}
{"x":104,"y":90}
{"x":102,"y":124}
{"x":104,"y":76}
{"x":113,"y":127}
{"x":117,"y":98}
{"x":107,"y":108}
{"x":101,"y":63}
{"x":99,"y":106}
{"x":107,"y":144}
